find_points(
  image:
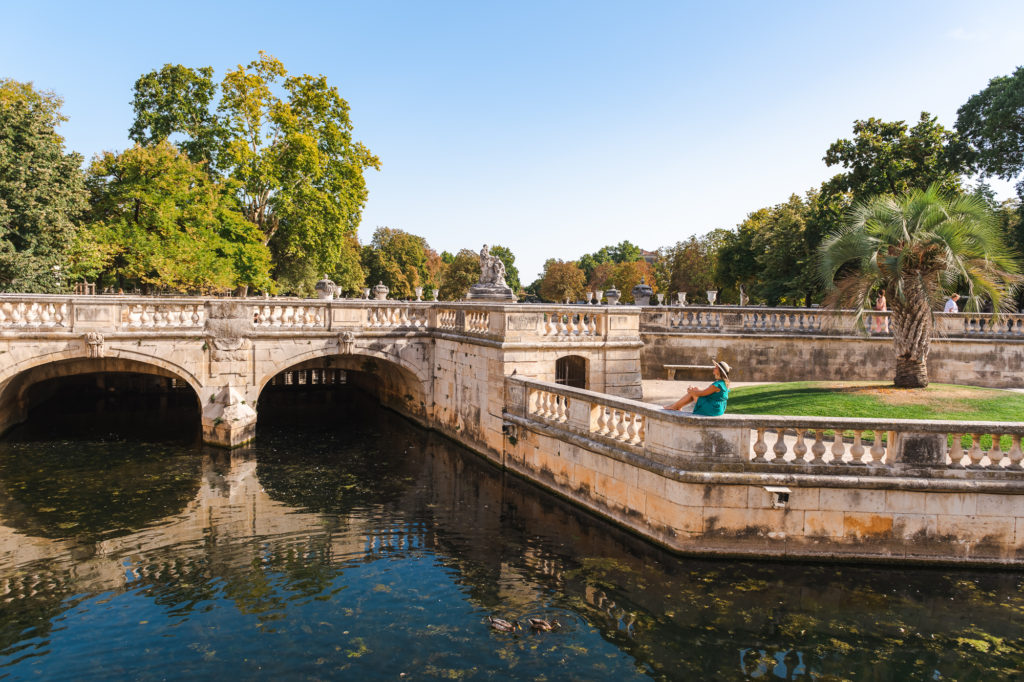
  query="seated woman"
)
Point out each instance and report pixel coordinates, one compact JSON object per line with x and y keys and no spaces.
{"x":708,"y":402}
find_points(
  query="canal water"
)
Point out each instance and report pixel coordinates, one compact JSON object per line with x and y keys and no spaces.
{"x":351,"y":544}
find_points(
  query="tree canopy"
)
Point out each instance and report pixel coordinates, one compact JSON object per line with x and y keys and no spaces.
{"x":561,"y":281}
{"x":42,"y":190}
{"x":287,"y":143}
{"x":992,"y":123}
{"x":159,"y":221}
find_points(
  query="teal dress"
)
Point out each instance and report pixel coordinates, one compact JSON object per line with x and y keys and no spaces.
{"x":713,"y":405}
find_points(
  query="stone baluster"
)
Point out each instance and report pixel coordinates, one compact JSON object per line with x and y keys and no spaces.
{"x":995,"y":453}
{"x":800,"y":448}
{"x":601,"y":424}
{"x":818,"y":447}
{"x":780,"y":446}
{"x":632,"y":432}
{"x":857,"y":449}
{"x":877,"y":451}
{"x":956,"y":452}
{"x":838,"y":448}
{"x":1015,"y":454}
{"x":620,"y":425}
{"x":760,"y":447}
{"x":974,"y":453}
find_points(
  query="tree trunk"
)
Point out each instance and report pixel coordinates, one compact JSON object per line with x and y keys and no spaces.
{"x":912,"y":335}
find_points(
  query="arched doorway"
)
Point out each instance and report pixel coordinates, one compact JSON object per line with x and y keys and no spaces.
{"x":571,"y":370}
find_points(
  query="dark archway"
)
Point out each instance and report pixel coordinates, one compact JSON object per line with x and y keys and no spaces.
{"x":571,"y":370}
{"x":100,"y":398}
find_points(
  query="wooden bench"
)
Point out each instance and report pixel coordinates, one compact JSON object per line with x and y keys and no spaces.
{"x":671,"y":369}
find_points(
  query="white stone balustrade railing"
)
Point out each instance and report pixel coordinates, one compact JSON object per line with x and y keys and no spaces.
{"x":288,"y":316}
{"x":163,"y":315}
{"x":573,"y":323}
{"x":832,"y":446}
{"x":817,"y":321}
{"x":29,"y":314}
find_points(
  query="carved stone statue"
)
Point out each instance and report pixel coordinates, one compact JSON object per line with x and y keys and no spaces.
{"x":492,"y":285}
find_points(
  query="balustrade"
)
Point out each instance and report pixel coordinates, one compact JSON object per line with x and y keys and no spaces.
{"x":288,"y":316}
{"x":825,"y":445}
{"x":163,"y":315}
{"x":33,"y":314}
{"x":378,"y":317}
{"x":573,"y":324}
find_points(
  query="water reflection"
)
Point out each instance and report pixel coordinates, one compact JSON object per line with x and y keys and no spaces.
{"x":352,"y":544}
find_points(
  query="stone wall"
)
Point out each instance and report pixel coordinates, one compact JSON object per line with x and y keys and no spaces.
{"x":995,"y":363}
{"x":711,"y":486}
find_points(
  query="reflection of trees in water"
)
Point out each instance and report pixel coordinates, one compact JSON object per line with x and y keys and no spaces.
{"x":88,"y":490}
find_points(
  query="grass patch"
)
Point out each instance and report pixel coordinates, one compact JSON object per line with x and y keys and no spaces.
{"x":874,"y":400}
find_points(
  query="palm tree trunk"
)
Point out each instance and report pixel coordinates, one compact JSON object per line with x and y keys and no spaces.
{"x":912,"y":335}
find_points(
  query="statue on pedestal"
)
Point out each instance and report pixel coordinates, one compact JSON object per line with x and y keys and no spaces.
{"x":492,"y":284}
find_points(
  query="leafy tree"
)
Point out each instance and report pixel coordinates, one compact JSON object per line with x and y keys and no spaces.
{"x":159,"y":220}
{"x":287,"y":142}
{"x":623,"y":252}
{"x":690,"y":266}
{"x":992,"y":123}
{"x":511,"y":271}
{"x":737,"y":263}
{"x":398,"y":259}
{"x":891,"y":158}
{"x":626,"y":275}
{"x":42,"y":189}
{"x":177,"y":100}
{"x":914,"y":247}
{"x":462,"y":273}
{"x":562,"y":281}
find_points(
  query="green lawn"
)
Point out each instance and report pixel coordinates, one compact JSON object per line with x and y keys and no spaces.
{"x":876,"y":400}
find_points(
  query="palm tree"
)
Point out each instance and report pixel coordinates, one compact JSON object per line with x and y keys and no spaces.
{"x":915,"y":247}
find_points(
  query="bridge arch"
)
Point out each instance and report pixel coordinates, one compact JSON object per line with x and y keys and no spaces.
{"x":396,"y":382}
{"x":16,"y":380}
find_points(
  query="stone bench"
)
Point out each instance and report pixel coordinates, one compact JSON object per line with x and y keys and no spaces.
{"x":671,"y":369}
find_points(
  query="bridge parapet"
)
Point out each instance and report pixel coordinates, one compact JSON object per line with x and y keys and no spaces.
{"x":817,"y":321}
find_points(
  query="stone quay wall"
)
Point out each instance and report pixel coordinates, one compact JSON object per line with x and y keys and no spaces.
{"x":904,"y":491}
{"x":775,"y":344}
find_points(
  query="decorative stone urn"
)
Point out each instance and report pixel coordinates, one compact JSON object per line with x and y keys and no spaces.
{"x":712,"y":295}
{"x":613,"y":295}
{"x":598,"y":295}
{"x":325,"y":288}
{"x":681,"y":296}
{"x":642,"y":293}
{"x":437,"y":292}
{"x":366,"y":293}
{"x":661,"y":298}
{"x":419,"y":293}
{"x":380,"y":292}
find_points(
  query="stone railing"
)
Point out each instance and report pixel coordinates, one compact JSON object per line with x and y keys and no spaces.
{"x":815,"y":321}
{"x":834,"y":446}
{"x":509,"y":323}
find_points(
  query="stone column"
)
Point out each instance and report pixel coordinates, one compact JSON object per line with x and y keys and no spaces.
{"x":228,"y":420}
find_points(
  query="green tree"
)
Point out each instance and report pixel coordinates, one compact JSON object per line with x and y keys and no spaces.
{"x":623,"y":252}
{"x":42,"y":190}
{"x":287,"y":142}
{"x":914,"y":247}
{"x":159,"y":220}
{"x":737,"y":263}
{"x":626,"y":275}
{"x":462,"y":272}
{"x":398,"y":259}
{"x":891,"y":158}
{"x":511,"y":271}
{"x":690,"y":266}
{"x":562,"y":281}
{"x":992,"y":124}
{"x":177,"y":100}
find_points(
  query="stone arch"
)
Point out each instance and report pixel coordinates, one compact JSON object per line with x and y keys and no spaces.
{"x":17,"y":379}
{"x":399,"y":384}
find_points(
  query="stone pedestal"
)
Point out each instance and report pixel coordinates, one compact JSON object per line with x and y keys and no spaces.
{"x":491,"y":292}
{"x":228,"y":421}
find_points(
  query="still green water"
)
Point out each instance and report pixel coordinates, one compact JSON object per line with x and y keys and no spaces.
{"x":350,"y":544}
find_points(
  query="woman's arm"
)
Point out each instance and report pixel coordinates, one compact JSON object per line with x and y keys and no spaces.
{"x":707,"y":391}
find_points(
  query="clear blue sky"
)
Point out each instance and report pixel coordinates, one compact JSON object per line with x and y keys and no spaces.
{"x":553,"y":128}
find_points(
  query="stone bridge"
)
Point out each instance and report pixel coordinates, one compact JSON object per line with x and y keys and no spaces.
{"x":442,"y":364}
